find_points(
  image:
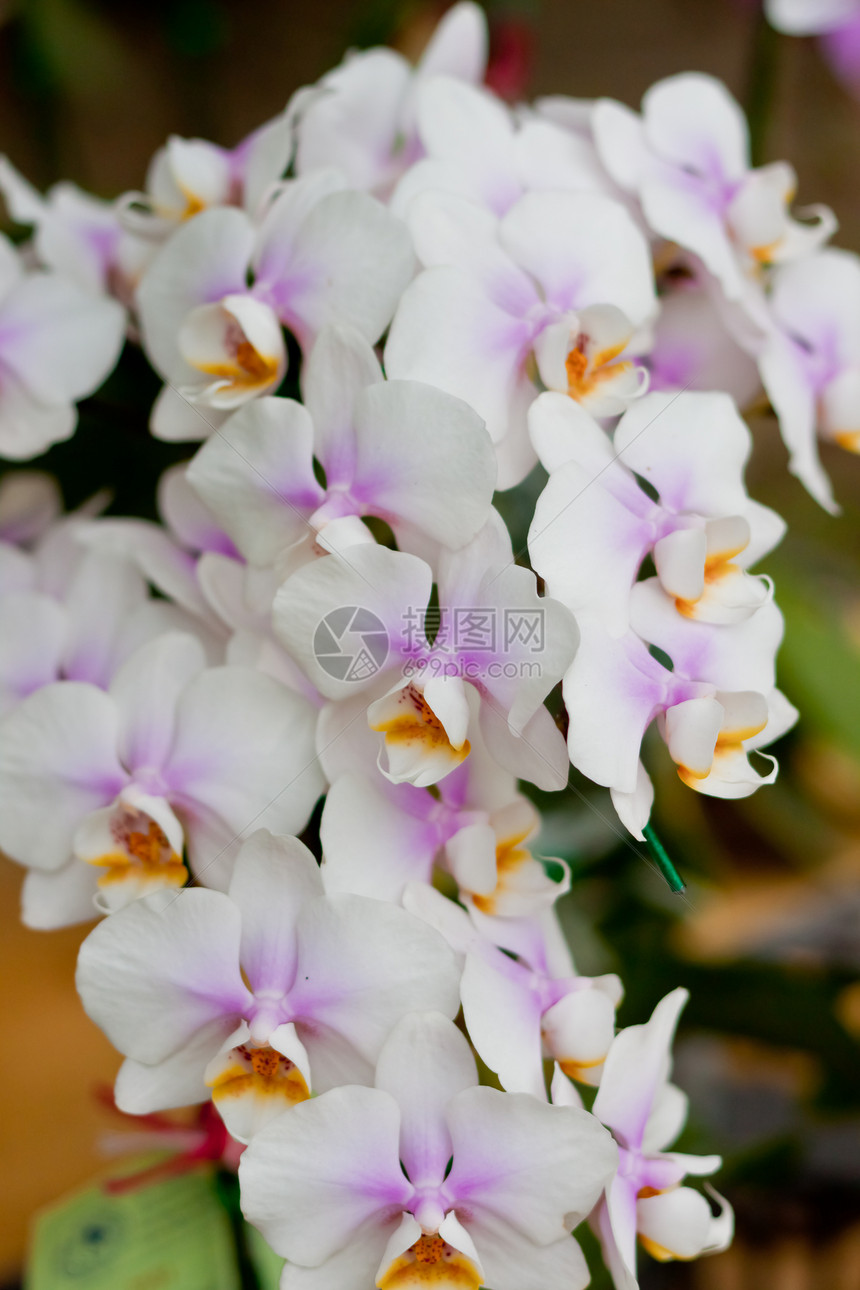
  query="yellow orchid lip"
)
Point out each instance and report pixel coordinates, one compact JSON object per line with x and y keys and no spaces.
{"x":848,"y":439}
{"x":510,"y":856}
{"x":718,"y":565}
{"x":259,"y":1072}
{"x":585,"y":375}
{"x":417,"y":723}
{"x":729,"y":744}
{"x":575,"y":1069}
{"x":145,"y":854}
{"x":251,"y":368}
{"x":430,"y":1262}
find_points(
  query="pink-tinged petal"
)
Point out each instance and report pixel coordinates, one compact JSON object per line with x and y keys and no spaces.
{"x":536,"y":1167}
{"x":612,"y":692}
{"x":468,"y":129}
{"x":101,"y":594}
{"x":448,"y":918}
{"x":667,"y":1119}
{"x":32,"y":636}
{"x":458,"y":46}
{"x":424,"y":1063}
{"x":60,"y":898}
{"x":635,"y":1070}
{"x":681,"y":212}
{"x":511,"y":1262}
{"x":536,"y":640}
{"x":155,"y":972}
{"x":583,"y":249}
{"x":161,"y":561}
{"x":330,"y":278}
{"x":616,"y":1228}
{"x":58,"y":339}
{"x":443,"y":487}
{"x":552,"y":157}
{"x":256,"y":476}
{"x":146,"y":691}
{"x":619,"y":137}
{"x":679,"y":1224}
{"x":344,"y":739}
{"x":292,"y":205}
{"x":537,"y":754}
{"x":27,"y":426}
{"x":342,"y":986}
{"x":352,"y":1268}
{"x":514,"y":453}
{"x":396,"y":845}
{"x":187,"y":518}
{"x":817,"y":301}
{"x":450,"y":332}
{"x":244,"y":750}
{"x":696,"y":1166}
{"x":461,"y":573}
{"x":335,"y":1060}
{"x":730,"y":656}
{"x":384,"y":585}
{"x":575,"y":514}
{"x":204,"y":260}
{"x":313,"y":1180}
{"x":340,"y":366}
{"x":693,"y":121}
{"x":503,"y":1015}
{"x":58,"y":762}
{"x":562,"y":431}
{"x":634,"y":808}
{"x":697,"y":345}
{"x":265,"y":158}
{"x":450,"y":230}
{"x":176,"y":419}
{"x":274,"y":879}
{"x":793,"y":396}
{"x":350,"y":119}
{"x":691,"y":447}
{"x":179,"y":1080}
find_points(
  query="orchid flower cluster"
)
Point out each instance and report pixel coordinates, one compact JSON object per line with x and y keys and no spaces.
{"x":393,"y":299}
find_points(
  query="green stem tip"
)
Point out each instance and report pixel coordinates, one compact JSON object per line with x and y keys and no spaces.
{"x":659,"y":855}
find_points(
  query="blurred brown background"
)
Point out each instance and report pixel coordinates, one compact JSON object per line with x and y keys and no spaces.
{"x":769,"y":939}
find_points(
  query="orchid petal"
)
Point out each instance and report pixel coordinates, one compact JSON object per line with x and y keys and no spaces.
{"x":58,"y":762}
{"x":155,"y":972}
{"x":273,"y":880}
{"x":317,"y":1175}
{"x":425,"y":1062}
